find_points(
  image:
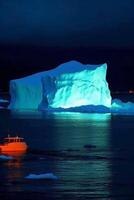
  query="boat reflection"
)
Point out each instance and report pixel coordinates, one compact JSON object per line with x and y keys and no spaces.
{"x":14,"y":169}
{"x":16,"y":161}
{"x":15,"y":154}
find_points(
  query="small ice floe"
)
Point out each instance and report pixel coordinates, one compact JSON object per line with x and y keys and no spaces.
{"x":121,"y":107}
{"x":4,"y":101}
{"x":6,"y":157}
{"x":48,"y":176}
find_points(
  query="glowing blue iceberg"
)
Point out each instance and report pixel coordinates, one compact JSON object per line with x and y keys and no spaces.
{"x":71,"y":84}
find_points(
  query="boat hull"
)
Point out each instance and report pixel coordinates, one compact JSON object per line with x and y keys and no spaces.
{"x":14,"y":146}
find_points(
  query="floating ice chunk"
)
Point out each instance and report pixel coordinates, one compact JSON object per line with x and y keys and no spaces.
{"x":119,"y":106}
{"x":48,"y":176}
{"x":3,"y":101}
{"x":6,"y":157}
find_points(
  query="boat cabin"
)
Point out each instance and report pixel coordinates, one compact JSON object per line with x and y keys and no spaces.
{"x":13,"y":139}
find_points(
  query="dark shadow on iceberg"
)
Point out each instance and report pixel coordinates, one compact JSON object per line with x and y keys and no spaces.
{"x":83,"y":109}
{"x":117,"y":107}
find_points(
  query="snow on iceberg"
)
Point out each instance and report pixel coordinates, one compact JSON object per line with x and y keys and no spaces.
{"x":71,"y":84}
{"x":48,"y":176}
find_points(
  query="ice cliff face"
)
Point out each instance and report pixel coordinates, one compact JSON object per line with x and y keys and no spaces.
{"x":87,"y":87}
{"x":26,"y":93}
{"x":71,"y":84}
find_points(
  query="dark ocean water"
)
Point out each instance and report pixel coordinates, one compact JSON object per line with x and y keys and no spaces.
{"x":91,"y":154}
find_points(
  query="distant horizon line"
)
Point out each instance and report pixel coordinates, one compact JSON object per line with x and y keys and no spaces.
{"x":92,"y":48}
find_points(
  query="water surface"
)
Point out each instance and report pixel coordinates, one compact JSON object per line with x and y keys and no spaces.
{"x":91,"y":154}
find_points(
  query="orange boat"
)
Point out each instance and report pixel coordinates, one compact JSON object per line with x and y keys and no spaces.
{"x":13,"y":144}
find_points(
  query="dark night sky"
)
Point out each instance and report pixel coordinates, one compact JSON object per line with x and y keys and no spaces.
{"x":39,"y":34}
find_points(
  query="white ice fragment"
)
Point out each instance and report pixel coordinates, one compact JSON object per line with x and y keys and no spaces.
{"x":6,"y":157}
{"x":49,"y":176}
{"x":3,"y":101}
{"x":119,"y":106}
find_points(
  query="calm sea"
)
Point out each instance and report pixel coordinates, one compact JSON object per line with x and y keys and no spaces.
{"x":92,"y":156}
